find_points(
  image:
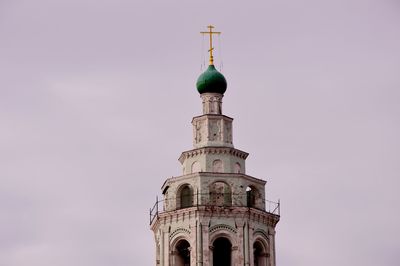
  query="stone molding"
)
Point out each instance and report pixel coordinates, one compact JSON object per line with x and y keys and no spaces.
{"x":222,"y":227}
{"x":255,"y":215}
{"x":212,"y":116}
{"x":212,"y":150}
{"x":179,"y":230}
{"x":262,"y":233}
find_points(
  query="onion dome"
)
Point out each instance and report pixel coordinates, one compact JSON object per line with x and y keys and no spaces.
{"x":211,"y":81}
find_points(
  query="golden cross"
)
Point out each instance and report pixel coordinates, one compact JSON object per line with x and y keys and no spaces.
{"x":211,"y":32}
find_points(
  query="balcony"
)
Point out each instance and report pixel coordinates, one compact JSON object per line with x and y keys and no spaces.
{"x":226,"y":200}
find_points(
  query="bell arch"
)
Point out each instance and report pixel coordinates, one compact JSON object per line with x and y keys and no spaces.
{"x":180,"y":253}
{"x":260,"y":253}
{"x":220,"y":194}
{"x":222,"y":252}
{"x":253,"y":197}
{"x":226,"y":233}
{"x":184,"y":196}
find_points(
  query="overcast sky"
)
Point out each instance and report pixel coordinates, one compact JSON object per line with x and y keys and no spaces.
{"x":96,"y":100}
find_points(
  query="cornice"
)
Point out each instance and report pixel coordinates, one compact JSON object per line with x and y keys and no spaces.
{"x":212,"y":150}
{"x":250,"y":214}
{"x":212,"y":116}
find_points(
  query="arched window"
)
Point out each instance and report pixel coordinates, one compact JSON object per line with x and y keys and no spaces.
{"x":218,"y":166}
{"x":222,"y":249}
{"x":260,"y":254}
{"x":182,"y":253}
{"x":253,"y":197}
{"x":237,"y":168}
{"x":220,"y":194}
{"x":186,"y":197}
{"x":196,"y":167}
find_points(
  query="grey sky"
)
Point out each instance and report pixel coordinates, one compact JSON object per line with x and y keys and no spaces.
{"x":96,"y":99}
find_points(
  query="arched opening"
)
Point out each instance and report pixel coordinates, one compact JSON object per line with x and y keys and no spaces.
{"x":186,"y":197}
{"x":182,"y":253}
{"x":260,"y":255}
{"x":253,"y":196}
{"x":220,"y":194}
{"x":222,"y":249}
{"x":166,"y":198}
{"x":218,"y":166}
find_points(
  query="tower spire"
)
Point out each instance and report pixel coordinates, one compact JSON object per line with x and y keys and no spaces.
{"x":210,"y":32}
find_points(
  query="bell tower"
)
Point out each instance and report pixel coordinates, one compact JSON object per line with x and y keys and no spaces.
{"x":214,"y":214}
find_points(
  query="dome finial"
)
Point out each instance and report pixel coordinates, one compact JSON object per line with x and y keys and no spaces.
{"x":211,"y":32}
{"x":211,"y":81}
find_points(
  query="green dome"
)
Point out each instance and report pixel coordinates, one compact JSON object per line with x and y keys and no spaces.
{"x":211,"y":81}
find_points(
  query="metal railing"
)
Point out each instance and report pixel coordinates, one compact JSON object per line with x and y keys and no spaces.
{"x":213,"y":200}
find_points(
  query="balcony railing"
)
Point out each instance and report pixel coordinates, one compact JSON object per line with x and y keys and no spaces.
{"x":213,"y":200}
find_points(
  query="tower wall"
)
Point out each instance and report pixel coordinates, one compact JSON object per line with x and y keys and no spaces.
{"x":202,"y":226}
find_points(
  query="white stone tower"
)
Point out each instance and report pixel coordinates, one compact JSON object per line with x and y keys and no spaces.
{"x":214,"y":213}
